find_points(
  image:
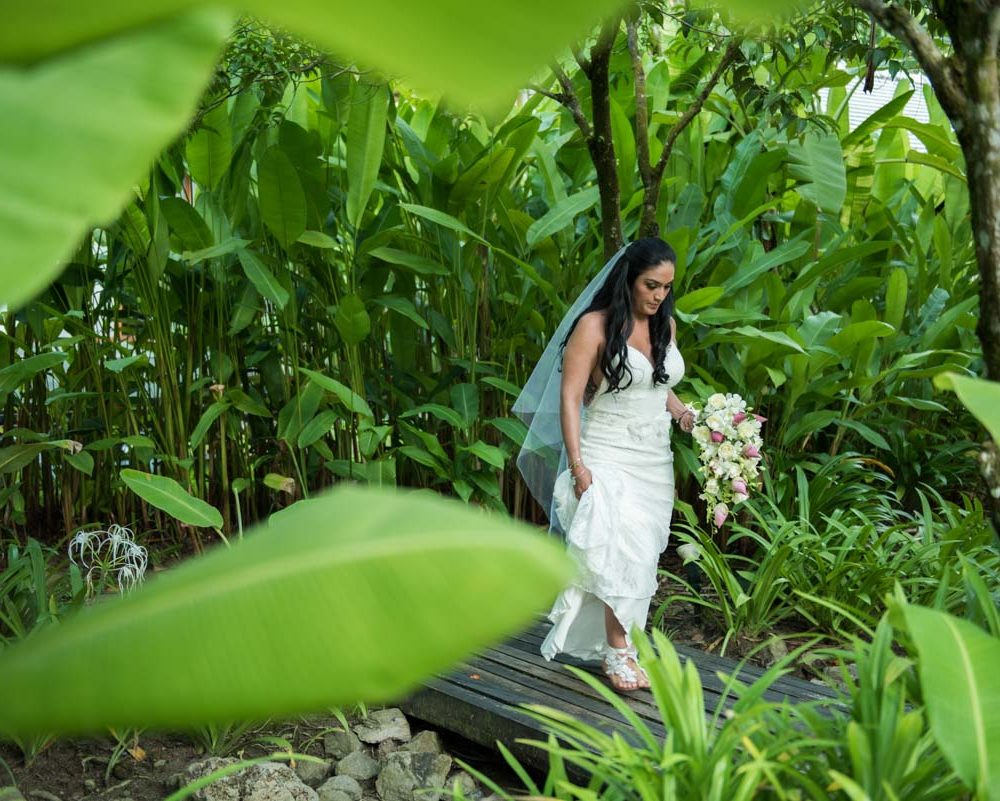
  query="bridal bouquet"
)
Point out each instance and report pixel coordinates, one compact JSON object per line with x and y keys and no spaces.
{"x":729,"y":441}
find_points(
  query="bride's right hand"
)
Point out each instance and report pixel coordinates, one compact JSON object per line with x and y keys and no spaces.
{"x":584,"y":478}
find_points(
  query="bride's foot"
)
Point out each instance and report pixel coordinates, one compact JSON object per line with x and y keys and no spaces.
{"x":622,"y":669}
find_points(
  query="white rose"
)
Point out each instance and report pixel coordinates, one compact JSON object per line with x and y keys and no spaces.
{"x":716,"y":401}
{"x":747,"y":429}
{"x":734,"y":470}
{"x":715,"y":421}
{"x":701,"y":434}
{"x":727,"y":451}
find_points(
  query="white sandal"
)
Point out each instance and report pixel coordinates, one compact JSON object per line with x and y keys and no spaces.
{"x":616,"y":664}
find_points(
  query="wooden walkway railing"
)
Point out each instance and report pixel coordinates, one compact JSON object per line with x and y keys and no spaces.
{"x":478,"y":699}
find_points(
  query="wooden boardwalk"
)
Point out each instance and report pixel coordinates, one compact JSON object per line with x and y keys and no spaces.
{"x":479,"y":699}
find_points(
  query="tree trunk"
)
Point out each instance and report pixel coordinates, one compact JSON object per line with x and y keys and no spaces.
{"x":982,"y":154}
{"x":601,"y":142}
{"x":967,"y":84}
{"x":975,"y":43}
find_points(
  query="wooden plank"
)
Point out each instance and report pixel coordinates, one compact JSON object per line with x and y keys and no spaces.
{"x":472,"y":715}
{"x":714,"y":689}
{"x":510,"y":692}
{"x":485,"y":709}
{"x":538,"y":690}
{"x":463,"y":711}
{"x":785,"y":687}
{"x":535,"y":664}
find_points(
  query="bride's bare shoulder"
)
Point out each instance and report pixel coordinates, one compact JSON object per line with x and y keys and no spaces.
{"x":595,"y":320}
{"x":591,"y":327}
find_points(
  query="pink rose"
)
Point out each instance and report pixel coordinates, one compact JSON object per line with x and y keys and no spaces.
{"x":739,"y":486}
{"x":751,"y":451}
{"x":721,"y":513}
{"x":760,"y":419}
{"x":738,"y":418}
{"x":717,"y":436}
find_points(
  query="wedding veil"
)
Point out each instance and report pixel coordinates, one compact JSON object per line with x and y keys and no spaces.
{"x":543,"y":456}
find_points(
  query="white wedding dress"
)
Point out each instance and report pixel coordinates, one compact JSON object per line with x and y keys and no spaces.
{"x":621,"y":524}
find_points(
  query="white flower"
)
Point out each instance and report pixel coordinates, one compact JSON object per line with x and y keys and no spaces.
{"x":712,"y":486}
{"x":701,"y":434}
{"x":747,"y":428}
{"x":727,"y":451}
{"x":689,"y":552}
{"x":716,"y":402}
{"x":109,"y":552}
{"x":716,"y":421}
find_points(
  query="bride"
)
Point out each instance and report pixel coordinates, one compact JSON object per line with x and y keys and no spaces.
{"x":598,"y":456}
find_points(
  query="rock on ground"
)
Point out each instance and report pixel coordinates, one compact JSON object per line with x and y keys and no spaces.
{"x":358,"y":766}
{"x":341,"y":784}
{"x":408,"y":776}
{"x":313,"y":773}
{"x":331,"y":794}
{"x":383,"y":724}
{"x":266,"y":781}
{"x":465,"y":782}
{"x":338,"y":744}
{"x":424,"y":742}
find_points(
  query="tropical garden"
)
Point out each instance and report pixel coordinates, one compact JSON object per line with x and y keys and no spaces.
{"x":260,"y":276}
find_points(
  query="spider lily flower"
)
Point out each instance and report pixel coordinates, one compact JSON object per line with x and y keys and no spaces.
{"x":102,"y":553}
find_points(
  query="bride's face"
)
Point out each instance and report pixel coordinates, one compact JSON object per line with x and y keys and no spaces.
{"x":651,"y":287}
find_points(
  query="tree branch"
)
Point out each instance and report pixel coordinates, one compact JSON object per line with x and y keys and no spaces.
{"x":940,"y":70}
{"x":601,"y":144}
{"x":582,"y":60}
{"x":641,"y":110}
{"x":559,"y":97}
{"x":571,"y":101}
{"x":728,"y":58}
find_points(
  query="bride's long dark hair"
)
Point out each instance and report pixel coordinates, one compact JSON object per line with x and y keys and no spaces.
{"x":615,"y":297}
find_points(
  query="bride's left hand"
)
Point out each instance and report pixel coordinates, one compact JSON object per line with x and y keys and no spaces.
{"x":686,"y":422}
